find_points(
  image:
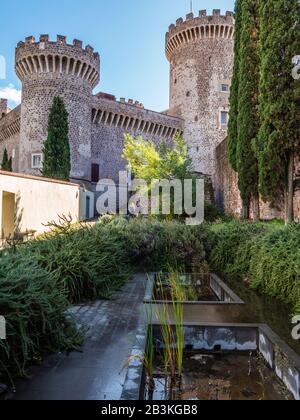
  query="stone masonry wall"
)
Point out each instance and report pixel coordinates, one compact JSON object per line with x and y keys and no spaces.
{"x":112,"y":119}
{"x":227,"y":191}
{"x":10,"y":136}
{"x":48,"y":69}
{"x":200,"y":51}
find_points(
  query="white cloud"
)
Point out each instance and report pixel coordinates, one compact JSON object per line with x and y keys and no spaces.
{"x":11,"y":93}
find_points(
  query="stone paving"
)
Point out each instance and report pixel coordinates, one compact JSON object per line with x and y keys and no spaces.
{"x":97,"y":372}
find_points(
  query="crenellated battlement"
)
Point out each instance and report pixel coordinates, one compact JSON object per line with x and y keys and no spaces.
{"x":128,"y":117}
{"x":107,"y":96}
{"x":46,"y":56}
{"x":200,"y":27}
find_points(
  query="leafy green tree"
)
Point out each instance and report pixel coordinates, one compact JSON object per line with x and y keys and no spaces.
{"x":278,"y":140}
{"x":149,"y":162}
{"x":6,"y":164}
{"x":57,"y":161}
{"x":247,"y":118}
{"x":234,"y":91}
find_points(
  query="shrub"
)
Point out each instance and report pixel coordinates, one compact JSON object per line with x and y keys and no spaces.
{"x":212,"y":213}
{"x":155,"y":245}
{"x":40,"y":279}
{"x":86,"y":262}
{"x":231,"y":244}
{"x":275,"y":265}
{"x":35,"y":313}
{"x":267,"y":254}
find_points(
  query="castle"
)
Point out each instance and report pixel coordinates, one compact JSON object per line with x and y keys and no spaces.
{"x":200,"y":52}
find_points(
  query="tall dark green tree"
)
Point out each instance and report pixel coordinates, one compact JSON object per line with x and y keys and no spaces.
{"x":6,"y":164}
{"x":278,"y":140}
{"x":247,"y":116}
{"x":234,"y":91}
{"x":57,"y":161}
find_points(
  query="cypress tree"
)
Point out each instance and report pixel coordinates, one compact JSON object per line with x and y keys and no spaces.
{"x":247,"y":118}
{"x":234,"y":91}
{"x":278,"y":139}
{"x":6,"y":164}
{"x":57,"y":161}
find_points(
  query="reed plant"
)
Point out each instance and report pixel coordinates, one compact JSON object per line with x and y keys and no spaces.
{"x":149,"y":353}
{"x":170,"y":318}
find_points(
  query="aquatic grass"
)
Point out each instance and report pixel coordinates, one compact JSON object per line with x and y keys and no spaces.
{"x":179,"y":328}
{"x":149,"y":353}
{"x":179,"y":291}
{"x":170,"y":318}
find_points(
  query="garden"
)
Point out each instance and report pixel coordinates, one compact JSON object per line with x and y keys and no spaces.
{"x":41,"y":279}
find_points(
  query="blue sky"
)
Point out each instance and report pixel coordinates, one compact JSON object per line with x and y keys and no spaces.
{"x":128,"y":34}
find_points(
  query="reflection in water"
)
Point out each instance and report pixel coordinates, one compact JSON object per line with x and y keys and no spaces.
{"x":266,"y":310}
{"x":228,"y":376}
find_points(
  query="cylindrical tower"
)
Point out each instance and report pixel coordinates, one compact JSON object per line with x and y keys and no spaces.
{"x":48,"y":69}
{"x":200,"y":51}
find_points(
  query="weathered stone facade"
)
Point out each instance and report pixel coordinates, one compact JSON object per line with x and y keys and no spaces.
{"x":10,"y":125}
{"x":200,"y":51}
{"x":112,"y":119}
{"x":49,"y":69}
{"x":97,"y":123}
{"x":227,"y":190}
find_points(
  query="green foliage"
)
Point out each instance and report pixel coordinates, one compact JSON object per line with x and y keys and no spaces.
{"x":279,"y":118}
{"x":57,"y":161}
{"x":155,"y":245}
{"x":247,"y":118}
{"x":275,"y":265}
{"x":266,"y":254}
{"x":40,"y":279}
{"x":35,"y":312}
{"x":86,"y":262}
{"x":212,"y":213}
{"x":234,"y":92}
{"x":6,"y":164}
{"x":151,"y":162}
{"x":230,"y":245}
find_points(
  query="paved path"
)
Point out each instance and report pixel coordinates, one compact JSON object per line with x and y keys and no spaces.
{"x":96,"y":373}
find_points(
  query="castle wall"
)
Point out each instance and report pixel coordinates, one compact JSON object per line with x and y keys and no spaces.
{"x":227,"y":190}
{"x":48,"y":69}
{"x":226,"y":183}
{"x":200,"y":51}
{"x":38,"y":98}
{"x":113,"y":119}
{"x":10,"y":136}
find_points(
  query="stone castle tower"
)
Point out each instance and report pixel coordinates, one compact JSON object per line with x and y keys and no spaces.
{"x":49,"y":69}
{"x":200,"y":52}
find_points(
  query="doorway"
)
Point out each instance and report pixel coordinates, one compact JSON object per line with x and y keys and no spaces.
{"x":8,"y":215}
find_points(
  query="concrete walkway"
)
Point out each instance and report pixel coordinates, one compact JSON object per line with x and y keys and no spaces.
{"x":96,"y":373}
